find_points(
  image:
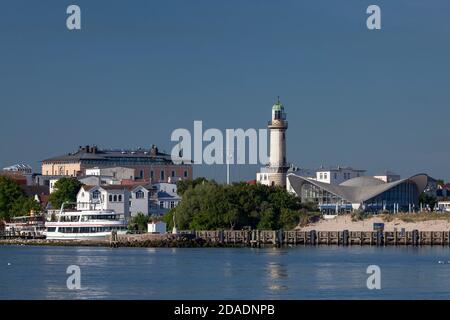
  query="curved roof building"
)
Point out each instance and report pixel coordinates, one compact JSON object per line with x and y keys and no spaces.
{"x":367,"y":193}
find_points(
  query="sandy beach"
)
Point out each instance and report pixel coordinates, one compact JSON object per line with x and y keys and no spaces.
{"x":345,"y":223}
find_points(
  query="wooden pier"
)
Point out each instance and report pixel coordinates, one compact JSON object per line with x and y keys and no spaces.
{"x":256,"y":238}
{"x":251,"y":238}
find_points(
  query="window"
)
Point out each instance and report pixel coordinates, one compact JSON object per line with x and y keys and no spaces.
{"x":173,"y":174}
{"x":95,"y":194}
{"x":162,"y":175}
{"x":139,"y":195}
{"x":161,"y":204}
{"x":335,"y":176}
{"x":321,"y":176}
{"x":325,"y":176}
{"x":172,"y":204}
{"x":151,"y":174}
{"x":120,"y":198}
{"x":115,"y":198}
{"x":141,"y":174}
{"x":110,"y":198}
{"x":185,"y":173}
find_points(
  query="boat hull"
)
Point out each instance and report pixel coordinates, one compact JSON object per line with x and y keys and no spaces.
{"x":81,"y":236}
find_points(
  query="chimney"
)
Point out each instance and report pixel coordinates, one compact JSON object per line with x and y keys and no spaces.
{"x":154,"y":150}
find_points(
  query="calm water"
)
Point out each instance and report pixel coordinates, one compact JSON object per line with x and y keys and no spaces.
{"x":291,"y":273}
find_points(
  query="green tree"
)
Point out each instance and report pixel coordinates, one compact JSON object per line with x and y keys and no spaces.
{"x":184,"y":185}
{"x":208,"y":205}
{"x":66,"y":190}
{"x":268,"y":220}
{"x":25,"y":205}
{"x":139,"y":223}
{"x":427,"y":199}
{"x":13,"y":201}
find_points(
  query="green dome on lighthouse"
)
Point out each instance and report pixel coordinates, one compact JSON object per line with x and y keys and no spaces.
{"x":277,"y":106}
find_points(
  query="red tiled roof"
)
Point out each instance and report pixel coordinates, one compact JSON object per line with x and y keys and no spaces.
{"x":16,"y":176}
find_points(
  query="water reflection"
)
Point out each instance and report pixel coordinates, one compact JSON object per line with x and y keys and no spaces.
{"x":276,"y":276}
{"x":228,"y":269}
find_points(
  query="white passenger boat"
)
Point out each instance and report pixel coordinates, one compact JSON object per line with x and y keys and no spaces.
{"x":86,"y":224}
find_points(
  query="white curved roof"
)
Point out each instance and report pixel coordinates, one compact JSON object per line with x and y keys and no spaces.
{"x":358,"y":190}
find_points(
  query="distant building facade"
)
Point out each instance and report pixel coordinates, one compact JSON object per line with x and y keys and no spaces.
{"x":115,"y":198}
{"x":22,"y":174}
{"x":20,"y":168}
{"x":388,"y":176}
{"x":147,"y":164}
{"x":443,"y":206}
{"x":164,"y":198}
{"x":442,"y":192}
{"x":129,"y":200}
{"x":119,"y":173}
{"x":337,"y":175}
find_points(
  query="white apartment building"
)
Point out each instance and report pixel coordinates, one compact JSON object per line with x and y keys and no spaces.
{"x":154,"y":199}
{"x":337,"y":175}
{"x":115,"y":198}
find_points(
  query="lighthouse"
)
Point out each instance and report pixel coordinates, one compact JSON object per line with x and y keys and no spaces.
{"x":274,"y":174}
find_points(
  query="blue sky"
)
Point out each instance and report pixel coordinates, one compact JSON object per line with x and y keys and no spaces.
{"x":140,"y":69}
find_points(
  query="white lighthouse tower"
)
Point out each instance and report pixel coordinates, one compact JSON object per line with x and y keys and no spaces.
{"x":275,"y":173}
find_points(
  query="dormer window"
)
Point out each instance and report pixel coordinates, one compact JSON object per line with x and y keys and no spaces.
{"x":139,"y":194}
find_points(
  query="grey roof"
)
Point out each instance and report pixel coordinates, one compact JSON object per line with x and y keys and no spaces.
{"x":338,"y":168}
{"x":112,"y":155}
{"x":357,"y":190}
{"x":387,"y":173}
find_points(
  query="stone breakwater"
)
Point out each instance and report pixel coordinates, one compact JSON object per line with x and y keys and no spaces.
{"x":144,"y":241}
